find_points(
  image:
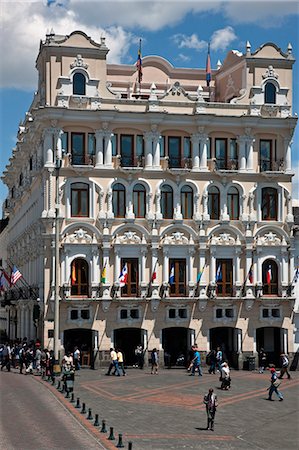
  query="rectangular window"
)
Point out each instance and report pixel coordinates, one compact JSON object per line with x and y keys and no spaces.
{"x":139,"y":146}
{"x":134,"y":313}
{"x":182,"y":313}
{"x":178,"y":287}
{"x":64,"y":142}
{"x":85,"y":314}
{"x":229,"y":312}
{"x":123,"y":313}
{"x":91,"y":144}
{"x":30,"y":163}
{"x":174,"y":152}
{"x":265,"y":313}
{"x":131,"y":288}
{"x":78,"y":148}
{"x":171,"y":313}
{"x":209,"y":146}
{"x":74,"y":314}
{"x":162,"y":146}
{"x":127,"y":150}
{"x":265,"y":155}
{"x":218,"y":313}
{"x":276,"y":313}
{"x":221,"y":153}
{"x":224,"y":277}
{"x":50,"y":333}
{"x":232,"y":163}
{"x":114,"y":144}
{"x":187,"y":147}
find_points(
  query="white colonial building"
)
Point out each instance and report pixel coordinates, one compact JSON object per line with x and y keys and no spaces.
{"x":168,"y":177}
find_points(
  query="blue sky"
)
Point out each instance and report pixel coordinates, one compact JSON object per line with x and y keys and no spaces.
{"x":177,"y":30}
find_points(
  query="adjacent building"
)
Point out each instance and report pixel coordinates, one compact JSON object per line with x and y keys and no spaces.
{"x":184,"y":189}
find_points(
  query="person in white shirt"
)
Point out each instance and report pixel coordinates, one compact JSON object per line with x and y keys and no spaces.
{"x":113,"y":363}
{"x":225,"y":377}
{"x":77,"y":358}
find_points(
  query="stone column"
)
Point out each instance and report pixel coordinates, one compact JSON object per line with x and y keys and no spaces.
{"x":156,"y":151}
{"x":95,"y":265}
{"x":99,"y":148}
{"x":206,"y":216}
{"x":158,"y":205}
{"x":48,"y":147}
{"x":148,"y":137}
{"x":190,"y":265}
{"x":250,"y":143}
{"x":32,"y":331}
{"x":142,"y":267}
{"x":212,"y":266}
{"x":195,"y":151}
{"x":203,"y":151}
{"x":237,"y":267}
{"x":110,"y":213}
{"x":116,"y":266}
{"x":165,"y":266}
{"x":19,"y":323}
{"x":287,"y":149}
{"x":242,"y":153}
{"x":107,"y":149}
{"x":285,"y":268}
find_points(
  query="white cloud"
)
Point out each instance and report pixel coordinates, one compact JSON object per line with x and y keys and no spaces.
{"x":295,"y":181}
{"x":183,"y":57}
{"x":192,"y":41}
{"x":221,"y":39}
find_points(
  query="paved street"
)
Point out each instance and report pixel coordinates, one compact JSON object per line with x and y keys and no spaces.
{"x":154,"y":412}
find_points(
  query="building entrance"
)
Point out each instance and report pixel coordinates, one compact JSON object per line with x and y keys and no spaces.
{"x":176,"y":343}
{"x":127,"y":339}
{"x":271,"y":339}
{"x":86,"y":340}
{"x":227,"y":338}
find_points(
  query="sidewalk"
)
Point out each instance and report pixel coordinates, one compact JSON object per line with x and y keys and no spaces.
{"x":165,"y":411}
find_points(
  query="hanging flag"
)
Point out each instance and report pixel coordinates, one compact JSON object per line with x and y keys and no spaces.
{"x":123,"y":278}
{"x":200,"y":273}
{"x":15,"y":275}
{"x":219,"y":274}
{"x":296,"y":276}
{"x":73,"y":276}
{"x":171,"y":275}
{"x":269,"y":275}
{"x":154,"y":275}
{"x":250,"y":274}
{"x":139,"y":64}
{"x":208,"y":68}
{"x":3,"y":282}
{"x":104,"y":273}
{"x":6,"y":277}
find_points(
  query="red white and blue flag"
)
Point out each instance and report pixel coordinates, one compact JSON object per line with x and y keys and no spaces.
{"x":154,"y":274}
{"x":139,"y":64}
{"x":123,"y":278}
{"x":208,"y":68}
{"x":269,"y":275}
{"x":15,"y":275}
{"x":250,"y":275}
{"x":4,"y":281}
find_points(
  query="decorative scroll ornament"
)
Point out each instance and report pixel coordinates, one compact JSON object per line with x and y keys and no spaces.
{"x":176,"y":238}
{"x":79,"y":63}
{"x":269,"y":239}
{"x":223,"y":239}
{"x":129,"y":237}
{"x":79,"y":236}
{"x":270,"y":73}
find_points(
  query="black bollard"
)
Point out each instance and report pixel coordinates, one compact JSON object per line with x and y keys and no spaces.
{"x":96,"y":422}
{"x":130,"y":446}
{"x":103,"y":429}
{"x":67,"y":394}
{"x":72,"y":398}
{"x":120,"y":441}
{"x":89,"y":417}
{"x":78,"y":406}
{"x":111,"y":435}
{"x":83,"y":410}
{"x":58,"y":385}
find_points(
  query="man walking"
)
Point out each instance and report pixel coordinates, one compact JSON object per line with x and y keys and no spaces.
{"x":274,"y":386}
{"x":219,"y":358}
{"x":113,"y":363}
{"x":77,"y":358}
{"x":210,"y":400}
{"x":196,"y":362}
{"x":284,"y":366}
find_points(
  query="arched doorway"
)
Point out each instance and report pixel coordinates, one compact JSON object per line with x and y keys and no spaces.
{"x":227,"y":338}
{"x":176,"y":342}
{"x":272,"y":340}
{"x":127,"y":340}
{"x":86,"y":340}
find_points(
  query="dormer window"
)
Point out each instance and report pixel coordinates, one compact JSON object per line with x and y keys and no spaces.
{"x":270,"y":93}
{"x":79,"y":81}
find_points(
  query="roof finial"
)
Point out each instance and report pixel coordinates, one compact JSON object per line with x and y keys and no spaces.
{"x":219,"y":64}
{"x":248,"y":48}
{"x":290,"y":49}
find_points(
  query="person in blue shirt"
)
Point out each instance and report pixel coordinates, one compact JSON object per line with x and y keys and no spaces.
{"x":196,"y":362}
{"x":274,"y":385}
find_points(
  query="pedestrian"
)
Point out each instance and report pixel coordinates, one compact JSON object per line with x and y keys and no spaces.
{"x":262,"y":360}
{"x":284,"y":366}
{"x":225,"y":377}
{"x":196,"y":362}
{"x":213,"y":361}
{"x":38,"y":358}
{"x":139,"y":356}
{"x":120,"y":361}
{"x":210,"y":400}
{"x":77,"y":358}
{"x":29,"y":358}
{"x":68,"y":371}
{"x":22,"y":357}
{"x":219,"y":356}
{"x":155,"y":361}
{"x":6,"y":357}
{"x":113,"y":363}
{"x":274,"y":385}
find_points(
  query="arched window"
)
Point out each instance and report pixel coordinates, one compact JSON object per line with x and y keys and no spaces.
{"x":187,"y":202}
{"x":270,"y":277}
{"x":269,"y":204}
{"x":79,"y":87}
{"x":214,"y":203}
{"x":79,"y":200}
{"x":119,"y":200}
{"x":270,"y":93}
{"x":139,"y":200}
{"x":167,"y":202}
{"x":79,"y":277}
{"x":233,"y":205}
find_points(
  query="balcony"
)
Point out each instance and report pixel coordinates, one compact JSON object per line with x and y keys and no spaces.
{"x":128,"y":162}
{"x":81,"y":160}
{"x":272,"y":166}
{"x":180,"y":163}
{"x":15,"y":294}
{"x":230,"y":165}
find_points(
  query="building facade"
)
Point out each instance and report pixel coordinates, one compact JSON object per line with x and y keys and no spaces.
{"x":184,"y":189}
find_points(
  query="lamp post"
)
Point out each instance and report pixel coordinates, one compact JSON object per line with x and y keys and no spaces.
{"x":58,"y":158}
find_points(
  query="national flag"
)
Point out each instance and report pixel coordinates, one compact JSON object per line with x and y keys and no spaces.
{"x":200,"y":274}
{"x":73,"y":276}
{"x":139,"y":64}
{"x":104,"y":273}
{"x":171,"y":275}
{"x":208,"y":67}
{"x":219,"y":274}
{"x":123,"y":278}
{"x":296,"y":276}
{"x":154,"y":274}
{"x":15,"y":275}
{"x":250,"y":274}
{"x":4,"y":284}
{"x":269,"y":275}
{"x":6,"y":277}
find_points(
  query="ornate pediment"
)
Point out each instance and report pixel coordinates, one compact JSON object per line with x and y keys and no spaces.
{"x":79,"y":236}
{"x":79,"y":63}
{"x":223,"y":239}
{"x":129,"y":237}
{"x":270,"y":73}
{"x":269,"y":239}
{"x":177,"y":238}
